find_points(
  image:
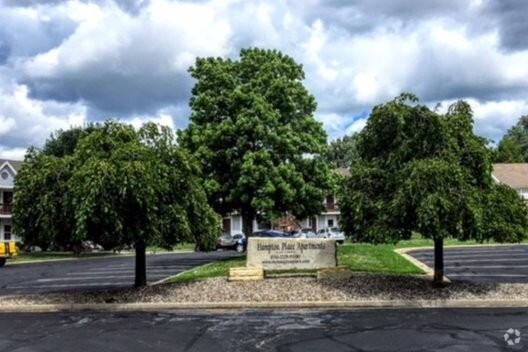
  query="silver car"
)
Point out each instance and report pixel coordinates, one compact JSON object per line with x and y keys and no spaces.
{"x":332,"y":233}
{"x":237,"y":242}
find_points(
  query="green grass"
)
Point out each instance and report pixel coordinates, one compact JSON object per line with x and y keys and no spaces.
{"x":34,"y":256}
{"x":358,"y":257}
{"x":374,"y":259}
{"x":214,"y":269}
{"x":182,"y":247}
{"x":29,"y":257}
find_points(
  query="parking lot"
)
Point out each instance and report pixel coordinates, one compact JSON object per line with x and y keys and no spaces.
{"x":100,"y":273}
{"x":499,"y":264}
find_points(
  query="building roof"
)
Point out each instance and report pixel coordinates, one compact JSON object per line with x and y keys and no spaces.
{"x":343,"y":171}
{"x":15,"y":164}
{"x":513,"y":175}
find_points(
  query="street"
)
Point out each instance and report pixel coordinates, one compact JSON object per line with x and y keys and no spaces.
{"x":498,"y":264}
{"x":100,"y":273}
{"x":447,"y":330}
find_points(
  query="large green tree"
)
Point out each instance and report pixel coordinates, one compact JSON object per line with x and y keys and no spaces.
{"x":419,"y":171}
{"x":513,"y":148}
{"x":343,"y":151}
{"x":120,"y":186}
{"x":253,"y":130}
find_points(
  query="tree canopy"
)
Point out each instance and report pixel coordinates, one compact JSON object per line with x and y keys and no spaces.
{"x":63,"y":142}
{"x":420,"y":171}
{"x":253,"y":131}
{"x":120,"y":186}
{"x":513,"y":148}
{"x":343,"y":151}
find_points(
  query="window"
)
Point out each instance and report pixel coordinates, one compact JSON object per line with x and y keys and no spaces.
{"x":7,"y":232}
{"x":330,"y":223}
{"x":5,"y":175}
{"x":8,"y":197}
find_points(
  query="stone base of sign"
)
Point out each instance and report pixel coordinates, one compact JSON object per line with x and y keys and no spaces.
{"x":334,"y":273}
{"x":245,"y":274}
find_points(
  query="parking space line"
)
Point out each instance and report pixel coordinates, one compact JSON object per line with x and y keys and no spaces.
{"x":94,"y":284}
{"x":485,"y":266}
{"x":485,"y":275}
{"x":83,"y":278}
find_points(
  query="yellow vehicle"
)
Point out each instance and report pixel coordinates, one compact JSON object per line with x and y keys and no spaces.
{"x":7,"y":250}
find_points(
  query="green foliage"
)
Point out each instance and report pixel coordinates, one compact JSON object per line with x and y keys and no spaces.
{"x":508,"y":151}
{"x":506,"y":215}
{"x":253,"y":131}
{"x":343,"y":151}
{"x":419,"y":171}
{"x":64,"y":142}
{"x":513,"y":148}
{"x":42,"y":215}
{"x":120,"y":186}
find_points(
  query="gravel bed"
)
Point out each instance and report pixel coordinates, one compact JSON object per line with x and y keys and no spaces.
{"x":361,"y":287}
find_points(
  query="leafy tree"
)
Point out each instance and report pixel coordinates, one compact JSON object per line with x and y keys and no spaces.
{"x":343,"y":151}
{"x":41,"y":215}
{"x":43,"y":178}
{"x":508,"y":151}
{"x":64,"y":142}
{"x":513,"y":148}
{"x":120,"y":186}
{"x":253,"y":131}
{"x":419,"y":171}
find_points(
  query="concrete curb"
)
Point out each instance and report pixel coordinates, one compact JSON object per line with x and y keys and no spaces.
{"x":151,"y":307}
{"x":428,"y":270}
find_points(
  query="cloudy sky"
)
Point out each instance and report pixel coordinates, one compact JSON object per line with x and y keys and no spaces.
{"x":64,"y":63}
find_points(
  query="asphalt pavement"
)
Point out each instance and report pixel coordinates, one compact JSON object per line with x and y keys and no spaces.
{"x":445,"y":330}
{"x":497,"y":264}
{"x":96,"y":273}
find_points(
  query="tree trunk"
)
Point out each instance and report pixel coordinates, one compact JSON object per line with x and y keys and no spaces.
{"x":141,"y":264}
{"x":438,"y":280}
{"x":247,"y":223}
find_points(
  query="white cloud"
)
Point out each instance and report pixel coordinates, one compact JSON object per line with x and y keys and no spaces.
{"x":73,"y":61}
{"x":12,"y":153}
{"x":29,"y":121}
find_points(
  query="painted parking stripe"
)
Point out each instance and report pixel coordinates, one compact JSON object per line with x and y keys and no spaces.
{"x":507,"y":260}
{"x":83,"y":278}
{"x":493,"y":251}
{"x":94,"y":284}
{"x":478,"y":256}
{"x":102,"y":272}
{"x":485,"y":275}
{"x":485,"y":266}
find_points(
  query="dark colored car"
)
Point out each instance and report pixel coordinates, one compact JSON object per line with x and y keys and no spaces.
{"x":237,"y":242}
{"x":269,"y":234}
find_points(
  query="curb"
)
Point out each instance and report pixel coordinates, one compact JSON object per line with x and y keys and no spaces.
{"x":152,"y":307}
{"x":427,"y":270}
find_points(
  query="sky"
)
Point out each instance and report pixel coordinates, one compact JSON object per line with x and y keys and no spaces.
{"x":66,"y":63}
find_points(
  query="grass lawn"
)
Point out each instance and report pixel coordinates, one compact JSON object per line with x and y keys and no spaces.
{"x":359,"y":257}
{"x":214,"y":269}
{"x":29,"y":257}
{"x":182,"y":247}
{"x":24,"y":257}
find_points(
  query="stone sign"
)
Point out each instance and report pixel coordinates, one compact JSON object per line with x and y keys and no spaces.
{"x":291,"y":253}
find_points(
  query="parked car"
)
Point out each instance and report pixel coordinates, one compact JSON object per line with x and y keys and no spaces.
{"x":332,"y":233}
{"x":237,"y":242}
{"x":305,"y":233}
{"x":270,"y":234}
